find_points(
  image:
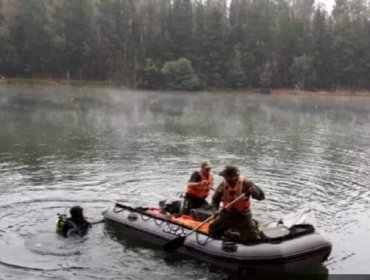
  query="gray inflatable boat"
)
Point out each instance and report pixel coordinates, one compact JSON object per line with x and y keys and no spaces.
{"x":289,"y":244}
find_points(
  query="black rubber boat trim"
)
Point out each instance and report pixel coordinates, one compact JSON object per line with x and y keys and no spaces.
{"x":309,"y":228}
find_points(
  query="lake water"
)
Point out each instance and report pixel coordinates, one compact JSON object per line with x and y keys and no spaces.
{"x":63,"y":146}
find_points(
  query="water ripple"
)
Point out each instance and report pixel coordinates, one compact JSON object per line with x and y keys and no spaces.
{"x":305,"y":152}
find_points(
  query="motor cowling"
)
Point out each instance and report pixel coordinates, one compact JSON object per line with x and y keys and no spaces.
{"x":171,"y":206}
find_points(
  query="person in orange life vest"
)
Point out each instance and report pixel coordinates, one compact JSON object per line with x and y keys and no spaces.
{"x":238,"y":217}
{"x":198,"y":187}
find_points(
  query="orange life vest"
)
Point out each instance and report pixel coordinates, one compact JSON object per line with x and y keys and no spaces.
{"x":201,"y":191}
{"x":231,"y":193}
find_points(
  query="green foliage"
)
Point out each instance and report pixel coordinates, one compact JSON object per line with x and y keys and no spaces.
{"x":237,"y":77}
{"x":179,"y":75}
{"x":27,"y":37}
{"x":76,"y":17}
{"x":181,"y":28}
{"x":116,"y":41}
{"x":237,"y":44}
{"x":303,"y":74}
{"x":212,"y":50}
{"x":265,"y":78}
{"x":152,"y":78}
{"x":321,"y":44}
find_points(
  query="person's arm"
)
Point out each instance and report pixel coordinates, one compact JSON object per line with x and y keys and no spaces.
{"x":217,"y":196}
{"x":195,"y":180}
{"x":211,"y":182}
{"x":66,"y":227}
{"x":251,"y":189}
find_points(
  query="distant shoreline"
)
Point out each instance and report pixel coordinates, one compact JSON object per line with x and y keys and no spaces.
{"x":110,"y":84}
{"x":340,"y":92}
{"x":54,"y":82}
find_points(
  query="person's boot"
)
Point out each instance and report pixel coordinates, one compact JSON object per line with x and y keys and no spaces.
{"x":232,"y":235}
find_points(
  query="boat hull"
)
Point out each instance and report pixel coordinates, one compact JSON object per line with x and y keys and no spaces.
{"x":293,"y":255}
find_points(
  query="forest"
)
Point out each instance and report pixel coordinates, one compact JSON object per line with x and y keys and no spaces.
{"x":189,"y":44}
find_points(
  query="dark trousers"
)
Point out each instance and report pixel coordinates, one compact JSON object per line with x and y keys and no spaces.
{"x":237,"y":222}
{"x":193,"y":203}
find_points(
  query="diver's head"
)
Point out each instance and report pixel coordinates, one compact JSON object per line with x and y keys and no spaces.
{"x":76,"y":212}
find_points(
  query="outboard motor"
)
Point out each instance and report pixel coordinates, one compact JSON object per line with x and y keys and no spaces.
{"x":172,"y":206}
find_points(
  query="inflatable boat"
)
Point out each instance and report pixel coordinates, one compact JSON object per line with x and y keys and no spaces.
{"x":288,"y":245}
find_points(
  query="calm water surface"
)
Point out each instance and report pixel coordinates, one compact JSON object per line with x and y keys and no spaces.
{"x":65,"y":146}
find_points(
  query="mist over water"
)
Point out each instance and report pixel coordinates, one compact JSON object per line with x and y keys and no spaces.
{"x":63,"y":146}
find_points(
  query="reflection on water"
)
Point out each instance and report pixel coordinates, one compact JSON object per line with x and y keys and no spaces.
{"x":60,"y":147}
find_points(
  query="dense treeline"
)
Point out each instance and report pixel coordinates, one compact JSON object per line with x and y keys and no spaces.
{"x":188,"y":44}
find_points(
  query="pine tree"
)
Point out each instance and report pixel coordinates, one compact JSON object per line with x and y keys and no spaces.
{"x":321,"y":52}
{"x":77,"y":36}
{"x":236,"y":76}
{"x":29,"y":36}
{"x":181,"y":28}
{"x":303,"y":73}
{"x":212,"y":48}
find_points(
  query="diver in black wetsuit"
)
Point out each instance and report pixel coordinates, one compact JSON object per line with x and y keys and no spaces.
{"x":75,"y":225}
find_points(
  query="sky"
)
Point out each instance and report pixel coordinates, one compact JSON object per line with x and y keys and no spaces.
{"x":328,"y":3}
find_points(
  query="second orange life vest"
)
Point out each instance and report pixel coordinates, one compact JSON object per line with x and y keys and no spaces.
{"x":201,"y":191}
